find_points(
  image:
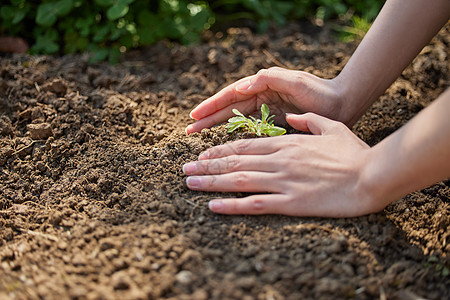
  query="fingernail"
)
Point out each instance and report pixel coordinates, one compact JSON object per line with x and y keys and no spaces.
{"x":193,"y":181}
{"x":189,"y":168}
{"x":215,"y":205}
{"x":244,"y":85}
{"x":188,"y":129}
{"x":289,"y":114}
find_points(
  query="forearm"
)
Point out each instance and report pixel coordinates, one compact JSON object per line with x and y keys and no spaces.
{"x":414,"y":157}
{"x":398,"y":34}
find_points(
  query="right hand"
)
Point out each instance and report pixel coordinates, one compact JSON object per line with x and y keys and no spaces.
{"x":284,"y":91}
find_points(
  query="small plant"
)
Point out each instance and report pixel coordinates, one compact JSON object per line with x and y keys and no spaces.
{"x":251,"y":124}
{"x":358,"y":29}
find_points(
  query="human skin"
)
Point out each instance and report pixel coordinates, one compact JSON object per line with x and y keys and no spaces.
{"x":299,"y":173}
{"x":304,"y":178}
{"x":395,"y":38}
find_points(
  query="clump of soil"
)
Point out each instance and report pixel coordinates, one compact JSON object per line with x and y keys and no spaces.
{"x":93,"y":203}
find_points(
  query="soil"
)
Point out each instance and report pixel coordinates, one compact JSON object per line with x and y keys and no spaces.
{"x":93,"y":202}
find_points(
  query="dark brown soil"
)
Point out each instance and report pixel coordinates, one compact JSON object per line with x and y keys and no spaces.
{"x":93,"y":203}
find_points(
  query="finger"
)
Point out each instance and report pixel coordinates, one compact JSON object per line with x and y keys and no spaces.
{"x":232,"y":163}
{"x":277,"y":79}
{"x":317,"y":125}
{"x":220,"y":116}
{"x":224,"y":98}
{"x":259,"y":146}
{"x":252,"y":205}
{"x":242,"y":181}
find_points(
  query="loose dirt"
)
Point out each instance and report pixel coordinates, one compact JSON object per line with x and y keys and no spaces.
{"x":93,"y":203}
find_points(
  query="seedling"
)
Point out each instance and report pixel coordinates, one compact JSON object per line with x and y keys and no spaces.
{"x":251,"y":124}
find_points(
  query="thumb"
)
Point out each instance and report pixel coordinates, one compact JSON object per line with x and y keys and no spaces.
{"x":311,"y":122}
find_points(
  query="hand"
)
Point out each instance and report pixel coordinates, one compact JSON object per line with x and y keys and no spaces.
{"x":301,"y":175}
{"x":284,"y":91}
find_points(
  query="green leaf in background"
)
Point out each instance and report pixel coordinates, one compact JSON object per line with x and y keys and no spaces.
{"x":100,"y":54}
{"x":48,"y":12}
{"x":119,"y":9}
{"x":19,"y":15}
{"x":125,"y":24}
{"x":101,"y":32}
{"x":105,"y":3}
{"x":46,"y":42}
{"x":7,"y":12}
{"x":18,"y":2}
{"x":84,"y":25}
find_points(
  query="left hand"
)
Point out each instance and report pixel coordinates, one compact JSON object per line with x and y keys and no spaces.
{"x":299,"y":175}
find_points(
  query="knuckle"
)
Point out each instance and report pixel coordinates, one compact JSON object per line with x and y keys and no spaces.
{"x":211,"y":167}
{"x":285,"y":163}
{"x":233,"y":163}
{"x":240,"y":179}
{"x":308,"y":115}
{"x":338,"y":126}
{"x":242,"y":146}
{"x":215,"y":152}
{"x":203,"y":167}
{"x":262,"y":73}
{"x":290,"y":142}
{"x":257,"y":204}
{"x":211,"y":182}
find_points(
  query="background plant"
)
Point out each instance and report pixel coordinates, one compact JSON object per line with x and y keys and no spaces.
{"x":105,"y":28}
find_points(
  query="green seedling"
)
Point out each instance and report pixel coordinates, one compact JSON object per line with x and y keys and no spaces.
{"x":257,"y":126}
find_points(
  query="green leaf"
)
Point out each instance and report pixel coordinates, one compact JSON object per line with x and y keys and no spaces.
{"x":105,"y":3}
{"x":46,"y":42}
{"x":236,"y":112}
{"x":147,"y":19}
{"x":275,"y":131}
{"x":47,"y":13}
{"x":255,"y":125}
{"x":118,"y":10}
{"x":84,"y":25}
{"x":99,"y":54}
{"x":264,"y":112}
{"x":252,"y":118}
{"x":17,"y":2}
{"x":7,"y":12}
{"x":233,"y":127}
{"x":19,"y":16}
{"x":101,"y":33}
{"x":237,"y":119}
{"x":146,"y":35}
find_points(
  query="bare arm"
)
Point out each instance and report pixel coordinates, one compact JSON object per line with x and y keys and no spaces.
{"x":415,"y":156}
{"x":299,"y":175}
{"x":398,"y":34}
{"x":400,"y":31}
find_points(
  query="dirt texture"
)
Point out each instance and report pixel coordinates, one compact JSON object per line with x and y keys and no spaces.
{"x":93,"y":201}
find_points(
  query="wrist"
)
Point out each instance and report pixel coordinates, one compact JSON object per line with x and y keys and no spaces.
{"x":329,"y":96}
{"x":352,"y":102}
{"x":376,"y":184}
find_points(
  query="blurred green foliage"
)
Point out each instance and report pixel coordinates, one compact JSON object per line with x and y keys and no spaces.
{"x":105,"y":28}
